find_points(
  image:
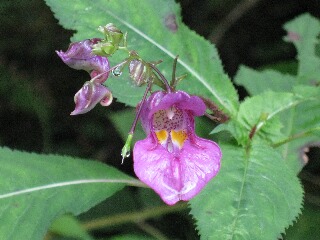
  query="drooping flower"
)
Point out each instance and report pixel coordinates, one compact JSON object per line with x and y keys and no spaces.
{"x":79,"y":56}
{"x":88,"y":97}
{"x":173,"y":160}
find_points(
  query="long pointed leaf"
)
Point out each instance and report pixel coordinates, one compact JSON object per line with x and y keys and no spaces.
{"x":35,"y":189}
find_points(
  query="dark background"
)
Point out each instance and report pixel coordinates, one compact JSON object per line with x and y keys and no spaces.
{"x":37,"y":89}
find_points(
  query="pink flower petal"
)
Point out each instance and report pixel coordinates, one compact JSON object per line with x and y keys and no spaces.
{"x":176,"y":176}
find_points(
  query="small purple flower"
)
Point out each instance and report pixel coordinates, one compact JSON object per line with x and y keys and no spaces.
{"x":79,"y":56}
{"x":173,"y":160}
{"x":88,"y":97}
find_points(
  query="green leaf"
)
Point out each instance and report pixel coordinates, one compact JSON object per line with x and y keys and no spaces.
{"x":302,"y":127}
{"x":257,"y":110}
{"x":257,"y":82}
{"x":258,"y":116}
{"x":303,"y":32}
{"x":255,"y":196}
{"x":301,"y":122}
{"x":161,"y":37}
{"x":69,"y":226}
{"x":35,"y":189}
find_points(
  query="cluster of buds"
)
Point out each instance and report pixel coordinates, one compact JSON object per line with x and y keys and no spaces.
{"x":172,"y":159}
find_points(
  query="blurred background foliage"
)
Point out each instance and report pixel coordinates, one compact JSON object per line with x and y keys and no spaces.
{"x":37,"y":89}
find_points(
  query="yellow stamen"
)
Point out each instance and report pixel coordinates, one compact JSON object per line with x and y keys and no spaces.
{"x":179,"y":137}
{"x":162,"y":136}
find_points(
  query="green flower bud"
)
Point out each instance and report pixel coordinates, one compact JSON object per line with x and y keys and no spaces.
{"x":125,"y":152}
{"x":104,"y":49}
{"x":112,"y":33}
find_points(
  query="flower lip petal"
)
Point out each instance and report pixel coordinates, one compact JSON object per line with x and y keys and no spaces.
{"x":173,"y":177}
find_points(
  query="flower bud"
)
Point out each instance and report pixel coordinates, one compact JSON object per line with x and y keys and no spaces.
{"x":112,"y":33}
{"x":138,"y":72}
{"x":104,"y":49}
{"x":125,"y":152}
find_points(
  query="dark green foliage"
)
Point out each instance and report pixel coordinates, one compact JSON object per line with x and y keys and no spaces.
{"x":255,"y":196}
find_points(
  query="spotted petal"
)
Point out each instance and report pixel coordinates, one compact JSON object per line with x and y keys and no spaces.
{"x":176,"y":177}
{"x":161,"y":100}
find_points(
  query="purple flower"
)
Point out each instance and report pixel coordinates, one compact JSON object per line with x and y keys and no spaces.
{"x":88,"y":97}
{"x":79,"y":56}
{"x":173,"y":160}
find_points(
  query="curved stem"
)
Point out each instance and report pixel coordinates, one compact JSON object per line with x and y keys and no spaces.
{"x":164,"y":80}
{"x":133,"y":217}
{"x":105,"y":72}
{"x":296,"y":136}
{"x":173,"y":82}
{"x":151,"y":230}
{"x":125,"y":152}
{"x":135,"y":121}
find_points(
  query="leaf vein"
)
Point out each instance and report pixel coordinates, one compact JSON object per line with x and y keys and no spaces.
{"x":69,"y":183}
{"x":169,"y":53}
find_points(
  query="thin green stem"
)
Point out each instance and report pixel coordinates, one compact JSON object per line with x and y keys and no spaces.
{"x":295,"y":136}
{"x":151,"y":230}
{"x":173,"y":82}
{"x":125,"y":152}
{"x":133,"y":217}
{"x":135,"y":121}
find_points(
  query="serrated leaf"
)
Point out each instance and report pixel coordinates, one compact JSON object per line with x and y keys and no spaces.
{"x":35,"y":189}
{"x":255,"y":196}
{"x":258,"y":116}
{"x":257,"y":110}
{"x":303,"y":32}
{"x":301,"y":122}
{"x":303,"y":127}
{"x":156,"y":32}
{"x":307,"y":226}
